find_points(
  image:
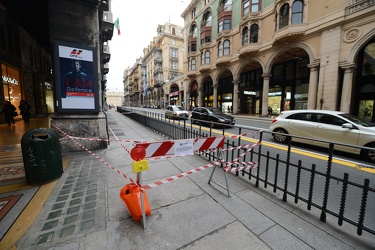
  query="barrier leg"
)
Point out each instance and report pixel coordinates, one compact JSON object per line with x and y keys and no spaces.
{"x":139,"y":181}
{"x":226,"y":187}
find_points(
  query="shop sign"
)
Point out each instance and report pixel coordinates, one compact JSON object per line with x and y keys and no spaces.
{"x":246,"y":92}
{"x":7,"y":79}
{"x":173,"y":93}
{"x":274,"y":94}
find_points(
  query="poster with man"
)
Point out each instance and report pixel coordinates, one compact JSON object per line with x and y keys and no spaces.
{"x":76,"y":78}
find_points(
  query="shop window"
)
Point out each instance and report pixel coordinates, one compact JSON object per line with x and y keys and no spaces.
{"x":369,"y":60}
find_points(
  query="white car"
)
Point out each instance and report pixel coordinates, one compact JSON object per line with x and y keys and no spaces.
{"x":325,"y":125}
{"x":176,"y":112}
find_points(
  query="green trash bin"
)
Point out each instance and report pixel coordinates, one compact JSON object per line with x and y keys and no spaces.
{"x":41,"y":154}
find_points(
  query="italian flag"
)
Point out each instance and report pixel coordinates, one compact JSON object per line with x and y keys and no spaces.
{"x":117,"y":26}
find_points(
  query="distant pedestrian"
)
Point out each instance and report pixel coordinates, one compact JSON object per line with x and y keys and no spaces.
{"x":269,"y":110}
{"x":9,"y":112}
{"x":25,"y":111}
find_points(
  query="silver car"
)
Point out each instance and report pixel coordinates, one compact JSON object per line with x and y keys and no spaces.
{"x":176,"y":112}
{"x":325,"y":125}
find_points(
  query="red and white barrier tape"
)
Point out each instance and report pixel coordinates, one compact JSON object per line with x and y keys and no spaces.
{"x":93,"y":154}
{"x":179,"y":176}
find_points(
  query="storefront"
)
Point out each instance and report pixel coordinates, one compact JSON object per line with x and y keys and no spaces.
{"x":173,"y":98}
{"x":365,"y":83}
{"x":11,"y":84}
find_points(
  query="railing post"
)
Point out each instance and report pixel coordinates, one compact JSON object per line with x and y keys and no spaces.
{"x":311,"y":188}
{"x":362,"y":212}
{"x":343,"y":198}
{"x":259,"y":157}
{"x":287,"y":168}
{"x":326,"y":187}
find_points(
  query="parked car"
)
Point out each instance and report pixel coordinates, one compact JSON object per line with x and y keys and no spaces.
{"x":176,"y":112}
{"x":211,"y":115}
{"x":332,"y":126}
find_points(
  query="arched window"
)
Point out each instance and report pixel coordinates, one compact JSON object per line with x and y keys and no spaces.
{"x":207,"y":57}
{"x":193,"y":64}
{"x":245,"y":36}
{"x":193,"y":30}
{"x":226,"y":50}
{"x":219,"y":49}
{"x":226,"y":5}
{"x":284,"y":16}
{"x":254,"y":28}
{"x":202,"y":58}
{"x":189,"y":65}
{"x":297,"y":12}
{"x":207,"y":19}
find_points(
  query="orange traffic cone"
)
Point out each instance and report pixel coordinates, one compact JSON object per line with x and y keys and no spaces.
{"x":131,"y":195}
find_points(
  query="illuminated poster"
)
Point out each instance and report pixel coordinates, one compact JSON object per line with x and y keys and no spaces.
{"x":78,"y":84}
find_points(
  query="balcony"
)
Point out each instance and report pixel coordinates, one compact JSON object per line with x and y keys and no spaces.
{"x":289,"y":34}
{"x":106,"y":54}
{"x":191,"y":73}
{"x":358,"y":6}
{"x":249,"y":50}
{"x":223,"y":60}
{"x":205,"y":67}
{"x":107,"y":28}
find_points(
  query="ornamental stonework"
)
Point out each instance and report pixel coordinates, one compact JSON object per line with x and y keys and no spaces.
{"x":352,"y":35}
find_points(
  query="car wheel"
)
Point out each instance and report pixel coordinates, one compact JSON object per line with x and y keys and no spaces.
{"x":369,"y":155}
{"x":280,"y":135}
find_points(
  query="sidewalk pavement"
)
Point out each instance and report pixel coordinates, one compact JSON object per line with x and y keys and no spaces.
{"x":83,"y":210}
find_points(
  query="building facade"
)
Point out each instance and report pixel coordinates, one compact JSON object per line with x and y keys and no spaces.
{"x":249,"y":55}
{"x":163,"y":62}
{"x":114,"y":98}
{"x":133,"y":87}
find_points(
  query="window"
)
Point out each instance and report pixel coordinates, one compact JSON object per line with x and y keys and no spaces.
{"x":254,"y":5}
{"x":207,"y":57}
{"x":207,"y":19}
{"x":220,"y":27}
{"x":245,"y":5}
{"x":254,"y":33}
{"x":284,"y":16}
{"x":193,"y":30}
{"x":173,"y":52}
{"x":193,"y":64}
{"x":189,"y":65}
{"x":297,"y":11}
{"x":245,"y":36}
{"x":206,"y":2}
{"x":226,"y":5}
{"x":193,"y":13}
{"x":173,"y":31}
{"x":227,"y":24}
{"x":174,"y":65}
{"x":226,"y":46}
{"x":220,"y":49}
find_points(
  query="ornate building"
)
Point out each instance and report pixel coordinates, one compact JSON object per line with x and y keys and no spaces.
{"x":162,"y":62}
{"x":286,"y":54}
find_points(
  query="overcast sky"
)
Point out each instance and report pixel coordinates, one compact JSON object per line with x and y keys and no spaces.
{"x":139,"y":20}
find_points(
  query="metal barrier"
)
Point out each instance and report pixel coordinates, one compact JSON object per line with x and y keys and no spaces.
{"x":300,"y":181}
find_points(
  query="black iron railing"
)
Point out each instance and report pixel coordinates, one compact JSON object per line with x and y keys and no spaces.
{"x":313,"y":184}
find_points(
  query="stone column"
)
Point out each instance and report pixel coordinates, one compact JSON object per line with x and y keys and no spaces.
{"x":200,"y":96}
{"x":235,"y":97}
{"x":214,"y":104}
{"x":346,"y":94}
{"x":313,"y":86}
{"x":266,"y":87}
